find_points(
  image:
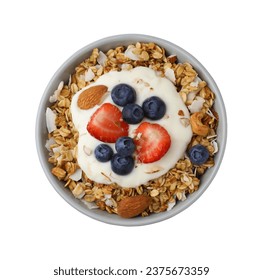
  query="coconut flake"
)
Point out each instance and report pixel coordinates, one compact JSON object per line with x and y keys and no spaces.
{"x":82,"y":77}
{"x":60,"y":86}
{"x":184,"y":121}
{"x":69,"y":81}
{"x":108,"y":200}
{"x":169,"y":74}
{"x":191,"y":95}
{"x":59,"y":160}
{"x":195,"y":82}
{"x":211,"y":136}
{"x":170,"y":205}
{"x":87,"y":150}
{"x":89,"y":75}
{"x":196,"y":105}
{"x":76,"y":176}
{"x":183,"y":196}
{"x":53,"y":98}
{"x":50,"y":120}
{"x":90,"y":205}
{"x":57,"y":149}
{"x":50,"y":142}
{"x":102,"y":58}
{"x":215,"y":145}
{"x":209,"y":113}
{"x":129,"y":53}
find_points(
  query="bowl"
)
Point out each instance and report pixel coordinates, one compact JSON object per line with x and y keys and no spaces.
{"x":63,"y":74}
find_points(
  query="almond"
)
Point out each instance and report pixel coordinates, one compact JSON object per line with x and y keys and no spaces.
{"x":181,"y":113}
{"x":91,"y":96}
{"x":172,"y":58}
{"x":133,"y":206}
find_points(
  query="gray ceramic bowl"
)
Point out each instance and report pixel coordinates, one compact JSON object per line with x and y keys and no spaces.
{"x":63,"y":73}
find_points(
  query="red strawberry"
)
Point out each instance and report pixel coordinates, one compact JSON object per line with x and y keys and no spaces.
{"x":152,"y":141}
{"x":107,"y":125}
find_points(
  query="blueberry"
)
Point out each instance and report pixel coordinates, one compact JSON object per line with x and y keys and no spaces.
{"x":198,"y":154}
{"x":132,"y":113}
{"x":154,"y":108}
{"x":103,"y":153}
{"x":122,"y":165}
{"x":125,"y":146}
{"x":123,"y":94}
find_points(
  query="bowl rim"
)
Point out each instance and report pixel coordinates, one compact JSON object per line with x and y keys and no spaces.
{"x":107,"y":218}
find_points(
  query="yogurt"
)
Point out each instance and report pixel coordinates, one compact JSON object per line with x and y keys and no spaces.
{"x":146,"y":83}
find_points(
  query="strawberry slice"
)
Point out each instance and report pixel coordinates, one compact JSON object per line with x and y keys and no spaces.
{"x":152,"y":142}
{"x":107,"y":125}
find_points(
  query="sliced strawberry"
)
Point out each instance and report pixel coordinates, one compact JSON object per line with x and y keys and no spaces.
{"x":107,"y":125}
{"x":152,"y":142}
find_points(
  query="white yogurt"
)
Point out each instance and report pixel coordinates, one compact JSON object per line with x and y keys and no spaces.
{"x":147,"y":83}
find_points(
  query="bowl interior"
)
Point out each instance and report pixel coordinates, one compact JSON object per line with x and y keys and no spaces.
{"x":63,"y":74}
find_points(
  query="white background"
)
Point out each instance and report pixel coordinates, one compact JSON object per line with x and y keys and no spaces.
{"x":222,"y":230}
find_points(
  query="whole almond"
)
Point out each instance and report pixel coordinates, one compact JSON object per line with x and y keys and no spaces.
{"x":133,"y":206}
{"x":91,"y":96}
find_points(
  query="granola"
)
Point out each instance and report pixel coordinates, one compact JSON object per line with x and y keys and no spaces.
{"x":183,"y":179}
